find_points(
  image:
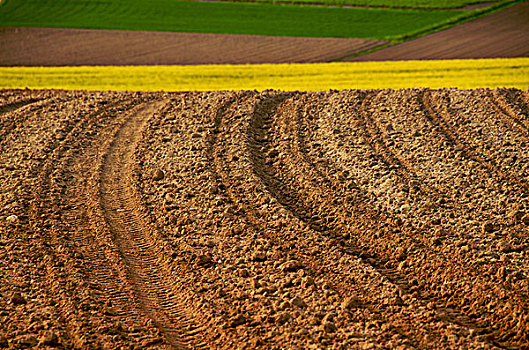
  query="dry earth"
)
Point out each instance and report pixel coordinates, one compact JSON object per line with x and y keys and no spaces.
{"x":352,"y":219}
{"x":502,"y":34}
{"x":55,"y":46}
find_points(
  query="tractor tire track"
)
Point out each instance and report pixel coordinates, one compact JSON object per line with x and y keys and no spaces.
{"x":16,"y":116}
{"x":503,"y":103}
{"x":131,"y":235}
{"x":60,"y":207}
{"x":254,"y":219}
{"x":440,"y":118}
{"x":382,"y":265}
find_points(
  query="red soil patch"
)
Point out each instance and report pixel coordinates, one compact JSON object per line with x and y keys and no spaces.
{"x":501,"y":34}
{"x":352,"y":219}
{"x":52,"y":47}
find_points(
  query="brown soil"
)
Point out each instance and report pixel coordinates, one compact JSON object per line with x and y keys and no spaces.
{"x":501,"y":34}
{"x":352,"y":219}
{"x":57,"y":47}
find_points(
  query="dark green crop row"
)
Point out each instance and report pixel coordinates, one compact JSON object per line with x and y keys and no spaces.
{"x":410,"y":4}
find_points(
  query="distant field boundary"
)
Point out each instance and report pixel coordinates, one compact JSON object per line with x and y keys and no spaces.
{"x":501,"y":34}
{"x":465,"y":74}
{"x":475,"y":14}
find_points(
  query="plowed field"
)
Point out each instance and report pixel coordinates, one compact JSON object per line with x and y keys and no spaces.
{"x":59,"y":47}
{"x":501,"y":34}
{"x":351,"y":219}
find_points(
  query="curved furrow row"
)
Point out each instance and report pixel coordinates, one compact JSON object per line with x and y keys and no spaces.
{"x":254,"y":190}
{"x":437,"y":121}
{"x":503,"y":318}
{"x":346,"y":227}
{"x":65,"y":210}
{"x":460,"y":225}
{"x":190,"y":271}
{"x":217,"y":157}
{"x":146,"y":266}
{"x":12,"y":106}
{"x":478,"y":199}
{"x":40,"y":220}
{"x":477,"y":129}
{"x":359,"y":211}
{"x":508,"y":103}
{"x":196,"y":219}
{"x":12,"y":100}
{"x":235,"y":154}
{"x":436,"y":255}
{"x":475,"y":126}
{"x":15,"y":122}
{"x":378,"y":139}
{"x":102,"y":260}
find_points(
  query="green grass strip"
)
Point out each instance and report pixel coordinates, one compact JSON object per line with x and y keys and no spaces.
{"x":466,"y":74}
{"x":413,"y":4}
{"x":221,"y":17}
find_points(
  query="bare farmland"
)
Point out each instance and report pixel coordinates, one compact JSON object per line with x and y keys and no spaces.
{"x":217,"y":220}
{"x":501,"y":34}
{"x":60,"y":47}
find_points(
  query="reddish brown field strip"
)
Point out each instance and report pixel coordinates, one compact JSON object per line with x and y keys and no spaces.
{"x":73,"y":47}
{"x":501,"y":34}
{"x":351,"y":219}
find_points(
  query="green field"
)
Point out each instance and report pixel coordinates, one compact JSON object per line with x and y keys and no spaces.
{"x":223,"y":17}
{"x":466,"y":74}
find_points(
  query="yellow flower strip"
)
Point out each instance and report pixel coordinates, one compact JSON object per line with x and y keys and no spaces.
{"x":464,"y":74}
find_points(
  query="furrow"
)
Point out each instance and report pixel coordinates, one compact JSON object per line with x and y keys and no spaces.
{"x":327,"y":185}
{"x":18,"y":119}
{"x":250,"y":186}
{"x":376,"y":137}
{"x":503,"y":103}
{"x":56,"y":167}
{"x":443,"y":123}
{"x":336,"y":219}
{"x":9,"y":107}
{"x":441,"y":117}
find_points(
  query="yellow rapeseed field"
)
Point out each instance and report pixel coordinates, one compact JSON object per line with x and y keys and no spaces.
{"x":465,"y":74}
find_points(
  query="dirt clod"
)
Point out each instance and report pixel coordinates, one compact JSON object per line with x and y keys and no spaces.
{"x":205,"y":260}
{"x":12,"y":218}
{"x":283,"y":318}
{"x":49,"y":338}
{"x":291,"y":266}
{"x":158,"y":175}
{"x":259,"y":256}
{"x":299,"y":302}
{"x":18,"y":299}
{"x":329,"y":327}
{"x":3,"y":342}
{"x":238,"y":320}
{"x":351,"y":302}
{"x":489,"y":227}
